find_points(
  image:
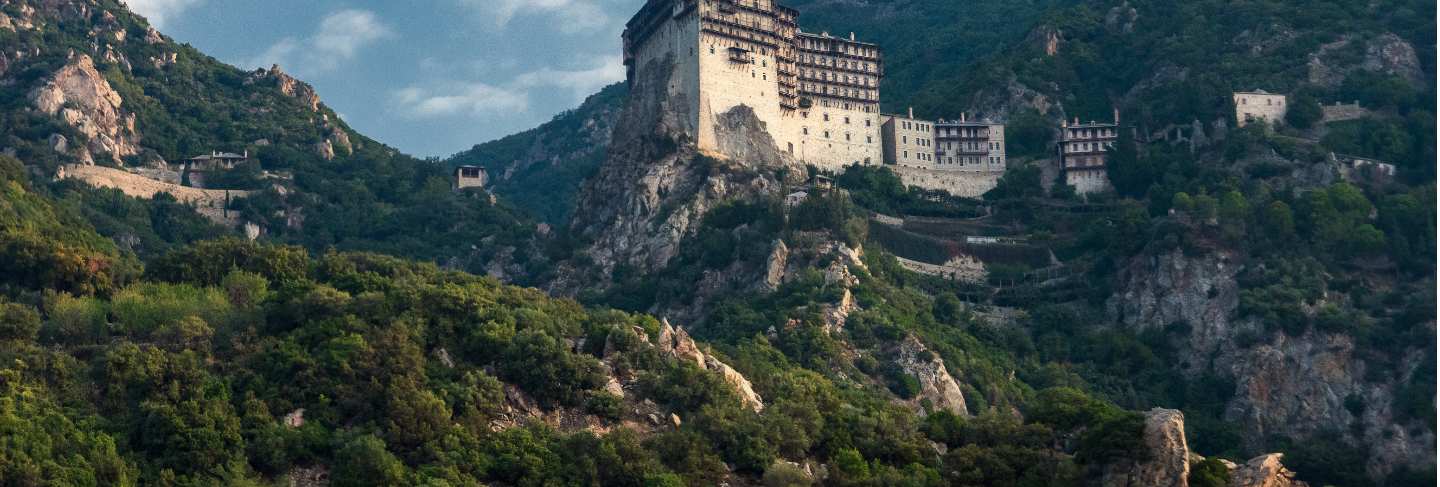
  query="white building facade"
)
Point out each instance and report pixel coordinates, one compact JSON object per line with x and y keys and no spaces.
{"x":817,"y":95}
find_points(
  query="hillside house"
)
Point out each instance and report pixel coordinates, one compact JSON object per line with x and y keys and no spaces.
{"x":1258,"y":106}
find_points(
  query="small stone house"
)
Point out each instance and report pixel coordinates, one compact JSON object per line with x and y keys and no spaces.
{"x":1259,"y":105}
{"x":470,"y":177}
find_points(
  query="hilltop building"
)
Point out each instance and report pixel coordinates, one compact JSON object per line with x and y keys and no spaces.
{"x":818,"y":95}
{"x":470,"y":177}
{"x":1083,"y":152}
{"x":908,"y":141}
{"x":1259,"y":105}
{"x":218,"y":161}
{"x":969,"y":145}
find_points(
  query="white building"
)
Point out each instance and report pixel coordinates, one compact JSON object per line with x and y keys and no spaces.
{"x":818,"y":95}
{"x":1256,"y":106}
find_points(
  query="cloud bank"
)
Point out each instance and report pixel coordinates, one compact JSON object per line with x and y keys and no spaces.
{"x":480,"y":99}
{"x":160,"y":11}
{"x":339,"y":38}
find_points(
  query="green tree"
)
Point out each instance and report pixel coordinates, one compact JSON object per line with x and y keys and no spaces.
{"x":364,"y":461}
{"x":1304,"y":111}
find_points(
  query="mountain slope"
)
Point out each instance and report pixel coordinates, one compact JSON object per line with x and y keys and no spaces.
{"x":88,"y":82}
{"x":541,"y":168}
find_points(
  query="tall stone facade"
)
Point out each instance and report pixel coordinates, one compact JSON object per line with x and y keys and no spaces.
{"x":817,"y":95}
{"x":1084,"y":149}
{"x":970,"y":145}
{"x":909,"y":142}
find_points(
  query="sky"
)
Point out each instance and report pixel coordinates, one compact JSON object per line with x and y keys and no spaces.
{"x":430,"y":77}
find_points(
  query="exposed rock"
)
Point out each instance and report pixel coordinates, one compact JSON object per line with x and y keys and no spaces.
{"x":739,"y":382}
{"x":775,"y":265}
{"x":153,"y":36}
{"x":80,"y":96}
{"x":655,"y":187}
{"x":1047,"y":38}
{"x":59,"y":143}
{"x":1264,"y":471}
{"x":164,"y":60}
{"x":675,"y":342}
{"x":287,"y":85}
{"x":1169,"y":462}
{"x":936,"y":384}
{"x":839,"y":273}
{"x":314,"y":476}
{"x":1285,"y":386}
{"x":836,"y":314}
{"x":1121,"y":18}
{"x":1386,"y":53}
{"x":443,"y":356}
{"x":325,"y":150}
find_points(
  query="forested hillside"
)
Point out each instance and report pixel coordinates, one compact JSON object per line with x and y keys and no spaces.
{"x":1241,"y":294}
{"x":88,"y":82}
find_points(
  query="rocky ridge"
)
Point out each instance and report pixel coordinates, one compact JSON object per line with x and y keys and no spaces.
{"x":1293,"y":386}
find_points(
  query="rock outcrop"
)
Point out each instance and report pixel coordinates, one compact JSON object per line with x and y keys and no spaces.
{"x":936,"y":384}
{"x":655,"y":186}
{"x":1169,"y":461}
{"x":1286,"y":386}
{"x":1386,"y":53}
{"x":83,"y":99}
{"x":1263,"y":471}
{"x":675,"y":342}
{"x":288,"y":85}
{"x":775,"y":265}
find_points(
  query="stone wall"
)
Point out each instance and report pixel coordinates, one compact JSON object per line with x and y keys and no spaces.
{"x":957,"y":183}
{"x":963,"y":268}
{"x":1341,"y":112}
{"x":208,"y":202}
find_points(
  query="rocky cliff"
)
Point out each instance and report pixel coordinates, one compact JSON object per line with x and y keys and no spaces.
{"x":1170,"y":460}
{"x":1286,"y":386}
{"x":655,"y":186}
{"x":79,"y":96}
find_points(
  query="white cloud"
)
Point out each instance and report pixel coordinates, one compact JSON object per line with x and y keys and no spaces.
{"x":479,"y":99}
{"x":160,"y":11}
{"x":569,"y":16}
{"x":339,"y":38}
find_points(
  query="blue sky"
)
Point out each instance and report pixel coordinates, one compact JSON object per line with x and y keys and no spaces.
{"x":431,"y":77}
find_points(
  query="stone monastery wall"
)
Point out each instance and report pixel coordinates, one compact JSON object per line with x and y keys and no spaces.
{"x":208,"y":202}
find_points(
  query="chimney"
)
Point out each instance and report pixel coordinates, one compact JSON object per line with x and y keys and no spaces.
{"x":1117,"y":116}
{"x":912,"y":113}
{"x":852,"y":36}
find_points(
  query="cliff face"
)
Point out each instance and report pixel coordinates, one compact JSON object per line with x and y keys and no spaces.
{"x":1289,"y":386}
{"x":82,"y":98}
{"x":655,"y":186}
{"x":1170,"y":460}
